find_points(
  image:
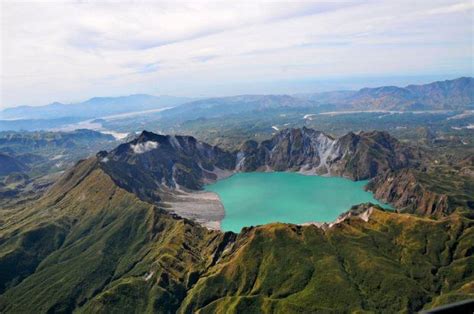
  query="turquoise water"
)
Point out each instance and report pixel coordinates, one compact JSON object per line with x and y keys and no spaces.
{"x":257,"y":198}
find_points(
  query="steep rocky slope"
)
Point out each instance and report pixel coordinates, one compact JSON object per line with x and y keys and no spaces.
{"x":356,"y":156}
{"x":153,"y":164}
{"x":169,"y":169}
{"x":404,"y":190}
{"x":436,"y":190}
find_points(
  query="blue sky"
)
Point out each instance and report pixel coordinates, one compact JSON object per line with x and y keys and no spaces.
{"x":72,"y":50}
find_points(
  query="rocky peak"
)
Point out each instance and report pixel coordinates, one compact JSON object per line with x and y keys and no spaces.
{"x":152,"y":165}
{"x":357,"y":156}
{"x":146,"y":136}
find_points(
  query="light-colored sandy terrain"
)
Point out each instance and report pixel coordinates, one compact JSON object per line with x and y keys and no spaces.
{"x":203,"y":207}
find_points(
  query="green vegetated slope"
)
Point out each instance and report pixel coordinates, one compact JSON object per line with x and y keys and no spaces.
{"x":90,"y":246}
{"x":89,"y":239}
{"x":394,"y":262}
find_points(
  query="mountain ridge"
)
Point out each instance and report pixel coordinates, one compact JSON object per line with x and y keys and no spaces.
{"x":456,"y":94}
{"x":314,"y":152}
{"x":93,"y":108}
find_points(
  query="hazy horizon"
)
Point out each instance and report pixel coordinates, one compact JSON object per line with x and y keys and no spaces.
{"x":289,"y":87}
{"x":70,"y":51}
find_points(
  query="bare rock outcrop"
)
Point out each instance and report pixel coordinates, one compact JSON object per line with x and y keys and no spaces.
{"x":404,"y":191}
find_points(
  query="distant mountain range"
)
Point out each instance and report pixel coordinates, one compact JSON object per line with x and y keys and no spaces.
{"x":94,"y":107}
{"x":220,"y":106}
{"x":457,"y":94}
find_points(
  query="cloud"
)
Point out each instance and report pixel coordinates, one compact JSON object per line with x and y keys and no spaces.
{"x":72,"y":50}
{"x":204,"y":58}
{"x":148,"y":68}
{"x":141,"y":148}
{"x":457,"y":7}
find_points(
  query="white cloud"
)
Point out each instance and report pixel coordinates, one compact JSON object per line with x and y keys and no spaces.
{"x":141,"y":148}
{"x":452,"y":8}
{"x":72,"y":50}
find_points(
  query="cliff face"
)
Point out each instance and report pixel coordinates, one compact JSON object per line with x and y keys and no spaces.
{"x":168,"y":170}
{"x":356,"y":156}
{"x":404,"y":191}
{"x":153,"y":164}
{"x":435,"y":190}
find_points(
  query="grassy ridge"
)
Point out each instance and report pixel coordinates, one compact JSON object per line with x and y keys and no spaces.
{"x":394,"y":262}
{"x":109,"y":240}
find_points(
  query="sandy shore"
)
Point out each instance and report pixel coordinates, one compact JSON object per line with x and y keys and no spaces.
{"x":203,"y":207}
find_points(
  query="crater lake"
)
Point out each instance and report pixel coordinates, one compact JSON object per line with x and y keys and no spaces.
{"x":257,"y":198}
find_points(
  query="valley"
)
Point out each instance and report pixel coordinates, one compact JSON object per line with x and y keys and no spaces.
{"x":32,"y":161}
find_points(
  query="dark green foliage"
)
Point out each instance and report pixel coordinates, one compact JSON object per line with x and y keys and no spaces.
{"x":21,"y":254}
